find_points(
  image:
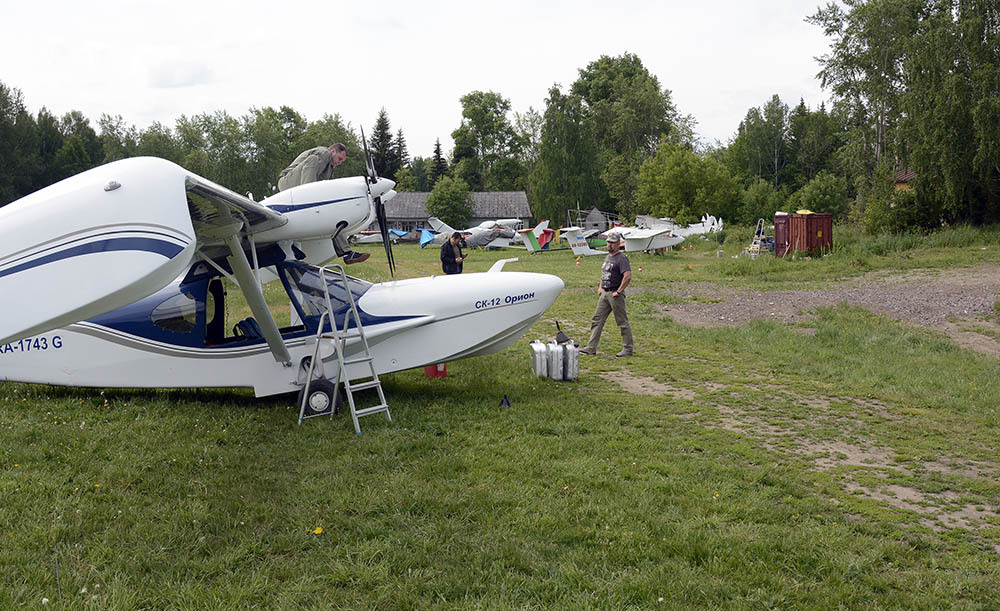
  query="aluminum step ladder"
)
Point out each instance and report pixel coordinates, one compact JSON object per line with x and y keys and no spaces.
{"x":339,"y":338}
{"x":758,"y":238}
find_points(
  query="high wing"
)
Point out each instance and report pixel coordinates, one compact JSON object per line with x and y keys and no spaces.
{"x":649,"y":239}
{"x":107,"y":237}
{"x":112,"y":235}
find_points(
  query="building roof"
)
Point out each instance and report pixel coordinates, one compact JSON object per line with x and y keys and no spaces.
{"x":485,"y":205}
{"x":904,"y":175}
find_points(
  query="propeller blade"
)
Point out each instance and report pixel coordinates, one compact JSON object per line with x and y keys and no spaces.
{"x":369,"y":163}
{"x":383,"y":227}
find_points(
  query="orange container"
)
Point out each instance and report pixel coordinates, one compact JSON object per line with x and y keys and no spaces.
{"x":436,"y":371}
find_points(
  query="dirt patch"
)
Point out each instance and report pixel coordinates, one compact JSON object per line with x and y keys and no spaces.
{"x":954,"y":302}
{"x":647,"y":386}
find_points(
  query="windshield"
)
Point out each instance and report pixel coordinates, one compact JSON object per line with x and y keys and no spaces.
{"x":306,"y":289}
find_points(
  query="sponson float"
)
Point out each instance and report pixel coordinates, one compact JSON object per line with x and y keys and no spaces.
{"x":114,"y":278}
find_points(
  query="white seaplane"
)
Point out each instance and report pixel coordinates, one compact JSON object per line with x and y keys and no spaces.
{"x":112,"y":278}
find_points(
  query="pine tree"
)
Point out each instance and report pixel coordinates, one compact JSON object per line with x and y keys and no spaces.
{"x":439,"y":166}
{"x":382,"y":146}
{"x":402,"y":156}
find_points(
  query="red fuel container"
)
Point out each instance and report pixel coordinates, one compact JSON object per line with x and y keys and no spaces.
{"x":436,"y":371}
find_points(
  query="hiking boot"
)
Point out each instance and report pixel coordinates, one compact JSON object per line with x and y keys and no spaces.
{"x":356,"y":257}
{"x":624,"y":353}
{"x":588,"y":351}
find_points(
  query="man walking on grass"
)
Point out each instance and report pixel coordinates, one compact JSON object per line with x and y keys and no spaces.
{"x":616,"y":273}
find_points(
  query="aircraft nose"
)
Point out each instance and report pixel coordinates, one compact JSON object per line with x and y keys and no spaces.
{"x":382,"y":186}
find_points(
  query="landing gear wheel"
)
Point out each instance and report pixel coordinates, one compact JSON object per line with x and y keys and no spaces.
{"x":320,"y":399}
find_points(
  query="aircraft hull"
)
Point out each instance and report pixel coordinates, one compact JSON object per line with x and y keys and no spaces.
{"x":426,"y":321}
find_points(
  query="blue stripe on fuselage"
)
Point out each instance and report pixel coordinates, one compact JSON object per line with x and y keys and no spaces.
{"x":294,"y":207}
{"x":161,"y":247}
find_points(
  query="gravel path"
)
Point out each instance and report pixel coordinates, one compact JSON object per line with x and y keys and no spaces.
{"x":947,"y":300}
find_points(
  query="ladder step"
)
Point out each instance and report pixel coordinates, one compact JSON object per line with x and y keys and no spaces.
{"x":363,"y":385}
{"x":371,"y":410}
{"x":360,"y":359}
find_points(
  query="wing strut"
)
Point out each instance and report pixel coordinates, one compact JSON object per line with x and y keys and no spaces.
{"x":255,"y":299}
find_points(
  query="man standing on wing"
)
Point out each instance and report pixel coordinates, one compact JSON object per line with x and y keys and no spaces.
{"x":616,"y":273}
{"x":318,"y":164}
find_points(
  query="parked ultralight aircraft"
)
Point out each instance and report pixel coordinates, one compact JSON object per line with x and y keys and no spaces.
{"x":540,"y":240}
{"x":652,"y":234}
{"x":112,"y":278}
{"x":488,"y":234}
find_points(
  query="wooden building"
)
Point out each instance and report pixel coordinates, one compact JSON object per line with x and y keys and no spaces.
{"x":408,"y":210}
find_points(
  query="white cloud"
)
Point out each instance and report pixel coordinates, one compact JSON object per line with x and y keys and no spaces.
{"x":179,"y":74}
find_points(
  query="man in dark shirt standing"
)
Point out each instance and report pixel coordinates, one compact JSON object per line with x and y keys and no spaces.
{"x":616,"y":273}
{"x":451,"y":254}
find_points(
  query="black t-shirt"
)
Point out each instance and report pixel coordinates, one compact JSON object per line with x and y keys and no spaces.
{"x":613,"y":269}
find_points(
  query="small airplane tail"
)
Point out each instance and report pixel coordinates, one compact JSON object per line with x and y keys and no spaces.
{"x":538,"y":237}
{"x":578,"y":243}
{"x":440,"y":226}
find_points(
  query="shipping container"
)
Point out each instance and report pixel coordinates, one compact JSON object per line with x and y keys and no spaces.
{"x":812,"y":233}
{"x":780,"y":234}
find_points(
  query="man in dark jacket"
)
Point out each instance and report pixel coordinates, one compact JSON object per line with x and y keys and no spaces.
{"x":451,"y":254}
{"x":318,"y":164}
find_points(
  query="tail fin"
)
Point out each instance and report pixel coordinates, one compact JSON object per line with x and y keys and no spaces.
{"x":578,"y":243}
{"x":440,"y":226}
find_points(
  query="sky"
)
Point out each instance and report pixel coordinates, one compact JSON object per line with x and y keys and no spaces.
{"x":155,"y":60}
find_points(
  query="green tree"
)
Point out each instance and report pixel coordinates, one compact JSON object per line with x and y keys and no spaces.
{"x":450,"y":200}
{"x":272,"y":134}
{"x":405,"y":181}
{"x":760,"y":150}
{"x":19,"y":144}
{"x":488,"y":139}
{"x":759,"y":201}
{"x":566,"y":174}
{"x":439,"y":165}
{"x":382,"y":147}
{"x":678,"y":183}
{"x":826,"y":192}
{"x":627,"y":113}
{"x":157,"y":140}
{"x":71,"y":159}
{"x":329,"y":130}
{"x":118,"y":139}
{"x":401,"y":156}
{"x":418,"y":167}
{"x":50,"y":140}
{"x":814,"y":138}
{"x":74,"y":123}
{"x":953,"y":112}
{"x":865,"y":72}
{"x":528,"y":126}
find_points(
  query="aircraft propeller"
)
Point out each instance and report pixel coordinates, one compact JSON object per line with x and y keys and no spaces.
{"x":383,"y":224}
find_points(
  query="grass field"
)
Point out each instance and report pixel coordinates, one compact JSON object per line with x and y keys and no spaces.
{"x":853,"y":466}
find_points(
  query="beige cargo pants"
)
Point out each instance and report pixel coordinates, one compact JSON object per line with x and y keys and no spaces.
{"x":606,"y":304}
